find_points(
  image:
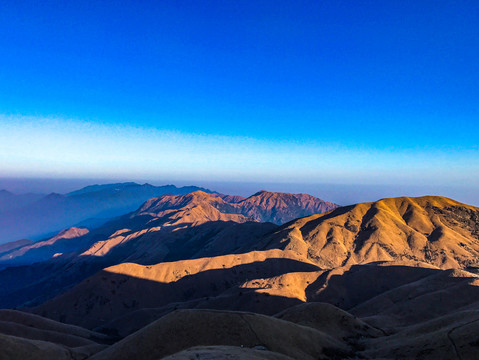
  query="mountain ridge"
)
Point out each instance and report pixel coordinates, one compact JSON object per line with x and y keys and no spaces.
{"x":432,"y":229}
{"x":263,"y":206}
{"x":394,"y":278}
{"x":53,"y":212}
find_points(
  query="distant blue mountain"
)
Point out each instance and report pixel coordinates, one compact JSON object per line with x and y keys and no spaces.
{"x":10,"y":201}
{"x":106,"y":187}
{"x":42,"y":215}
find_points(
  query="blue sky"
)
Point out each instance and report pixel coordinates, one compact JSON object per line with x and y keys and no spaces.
{"x":351,"y":92}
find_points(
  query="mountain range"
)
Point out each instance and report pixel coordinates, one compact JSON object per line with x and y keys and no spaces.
{"x":35,"y":216}
{"x":271,"y":276}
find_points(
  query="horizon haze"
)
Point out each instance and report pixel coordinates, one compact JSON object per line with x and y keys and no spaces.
{"x":339,"y":193}
{"x":365,"y":93}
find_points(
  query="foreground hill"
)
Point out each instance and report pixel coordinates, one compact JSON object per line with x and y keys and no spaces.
{"x":190,"y":276}
{"x":435,"y":230}
{"x":307,"y":331}
{"x":225,"y":328}
{"x":409,"y":312}
{"x":222,"y":282}
{"x":27,"y":336}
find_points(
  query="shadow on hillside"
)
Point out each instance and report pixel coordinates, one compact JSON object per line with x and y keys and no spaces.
{"x":423,"y":292}
{"x":362,"y":282}
{"x":30,"y":285}
{"x":243,"y":300}
{"x":109,"y":295}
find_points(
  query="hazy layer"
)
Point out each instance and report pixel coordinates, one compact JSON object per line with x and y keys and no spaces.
{"x":58,"y":147}
{"x":343,"y":194}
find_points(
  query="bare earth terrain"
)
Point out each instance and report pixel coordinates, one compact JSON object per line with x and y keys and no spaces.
{"x":208,"y":276}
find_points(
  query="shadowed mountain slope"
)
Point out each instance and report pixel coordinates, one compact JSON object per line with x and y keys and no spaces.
{"x":407,"y":312}
{"x":13,"y":245}
{"x":186,"y":328}
{"x":330,"y":320}
{"x":40,"y":323}
{"x":307,"y":331}
{"x":226,"y":353}
{"x":165,"y":229}
{"x":220,"y":282}
{"x":65,"y":241}
{"x":26,"y":336}
{"x":453,"y":336}
{"x":161,"y":217}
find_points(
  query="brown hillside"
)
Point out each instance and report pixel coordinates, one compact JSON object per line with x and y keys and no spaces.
{"x":263,"y":206}
{"x":35,"y":322}
{"x":392,"y":279}
{"x":220,"y":282}
{"x":196,"y":208}
{"x":280,"y":208}
{"x":436,"y":230}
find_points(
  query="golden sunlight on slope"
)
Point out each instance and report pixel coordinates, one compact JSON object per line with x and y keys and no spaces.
{"x":230,"y":281}
{"x":435,"y":230}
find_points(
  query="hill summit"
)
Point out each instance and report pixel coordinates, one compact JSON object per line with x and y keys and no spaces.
{"x":432,"y":229}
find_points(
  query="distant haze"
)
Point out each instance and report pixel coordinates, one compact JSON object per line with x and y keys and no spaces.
{"x":355,"y":100}
{"x":343,"y":194}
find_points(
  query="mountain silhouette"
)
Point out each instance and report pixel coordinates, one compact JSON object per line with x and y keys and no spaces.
{"x":96,"y":204}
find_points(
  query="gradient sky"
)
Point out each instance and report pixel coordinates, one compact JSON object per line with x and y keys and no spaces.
{"x":350,"y":92}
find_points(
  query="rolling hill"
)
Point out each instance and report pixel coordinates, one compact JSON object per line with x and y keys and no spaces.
{"x":167,"y":228}
{"x":396,"y":278}
{"x":435,"y":230}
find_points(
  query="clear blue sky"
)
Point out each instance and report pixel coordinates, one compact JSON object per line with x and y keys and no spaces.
{"x":367,"y":92}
